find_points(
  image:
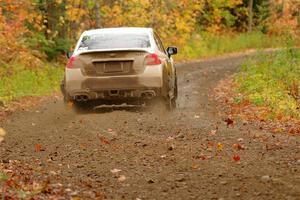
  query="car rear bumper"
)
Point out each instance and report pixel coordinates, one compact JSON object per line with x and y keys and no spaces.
{"x":147,"y":84}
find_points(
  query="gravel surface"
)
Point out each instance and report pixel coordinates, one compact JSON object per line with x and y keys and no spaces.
{"x":190,"y":153}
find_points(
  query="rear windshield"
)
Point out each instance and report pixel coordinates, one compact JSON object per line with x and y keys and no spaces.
{"x":114,"y":41}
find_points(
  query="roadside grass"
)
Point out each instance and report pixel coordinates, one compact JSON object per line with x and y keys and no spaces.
{"x":272,"y":80}
{"x":208,"y":44}
{"x":17,"y":81}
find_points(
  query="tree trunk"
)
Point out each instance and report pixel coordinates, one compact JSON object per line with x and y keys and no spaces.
{"x":250,"y":20}
{"x":97,"y":13}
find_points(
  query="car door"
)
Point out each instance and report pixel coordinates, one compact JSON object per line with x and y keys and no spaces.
{"x":169,"y":64}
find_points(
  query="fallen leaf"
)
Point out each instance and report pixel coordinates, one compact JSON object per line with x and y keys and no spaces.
{"x":38,"y":147}
{"x":202,"y":157}
{"x":210,"y":144}
{"x":236,"y":158}
{"x":122,"y":178}
{"x":114,"y":171}
{"x":195,"y":166}
{"x":220,"y":146}
{"x":37,"y":187}
{"x":103,"y":139}
{"x":229,"y":122}
{"x":2,"y":132}
{"x":110,"y":130}
{"x":213,"y":132}
{"x":265,"y":178}
{"x":53,"y":173}
{"x":223,"y":182}
{"x":163,"y":156}
{"x":68,"y":190}
{"x":238,"y":146}
{"x":82,"y":146}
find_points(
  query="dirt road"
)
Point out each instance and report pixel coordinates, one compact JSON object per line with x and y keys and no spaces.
{"x":152,"y":154}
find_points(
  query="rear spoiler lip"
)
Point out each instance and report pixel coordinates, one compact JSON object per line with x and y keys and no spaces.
{"x":149,"y":50}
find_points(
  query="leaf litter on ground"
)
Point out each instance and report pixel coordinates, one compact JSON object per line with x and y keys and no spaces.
{"x":43,"y":184}
{"x":225,"y":95}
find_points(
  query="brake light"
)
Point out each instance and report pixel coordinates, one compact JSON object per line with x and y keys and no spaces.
{"x":152,"y":59}
{"x":70,"y":63}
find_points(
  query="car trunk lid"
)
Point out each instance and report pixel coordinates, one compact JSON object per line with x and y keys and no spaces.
{"x":112,"y":63}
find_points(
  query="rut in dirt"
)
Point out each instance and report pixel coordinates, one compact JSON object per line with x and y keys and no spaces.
{"x":154,"y":154}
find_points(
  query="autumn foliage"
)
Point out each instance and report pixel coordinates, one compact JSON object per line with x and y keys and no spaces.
{"x":12,"y":34}
{"x":32,"y":29}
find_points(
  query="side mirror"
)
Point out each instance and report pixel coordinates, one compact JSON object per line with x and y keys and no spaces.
{"x":69,"y":54}
{"x":172,"y":51}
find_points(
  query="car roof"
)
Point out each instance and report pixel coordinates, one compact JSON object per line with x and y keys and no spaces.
{"x":119,"y":30}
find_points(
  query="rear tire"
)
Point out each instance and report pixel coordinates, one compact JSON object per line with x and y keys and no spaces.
{"x":176,"y":89}
{"x":171,"y":102}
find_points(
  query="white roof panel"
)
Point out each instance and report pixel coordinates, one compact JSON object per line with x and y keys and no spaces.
{"x":119,"y":30}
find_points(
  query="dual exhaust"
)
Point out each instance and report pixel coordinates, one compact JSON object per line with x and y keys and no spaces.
{"x":81,"y":98}
{"x":148,"y":94}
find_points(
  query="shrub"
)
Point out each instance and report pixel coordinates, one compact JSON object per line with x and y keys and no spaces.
{"x":273,"y":80}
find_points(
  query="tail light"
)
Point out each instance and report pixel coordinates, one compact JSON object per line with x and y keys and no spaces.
{"x":152,"y":59}
{"x":71,"y":61}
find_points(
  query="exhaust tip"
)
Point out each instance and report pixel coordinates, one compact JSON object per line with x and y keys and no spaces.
{"x":81,"y":98}
{"x":148,"y":94}
{"x":85,"y":98}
